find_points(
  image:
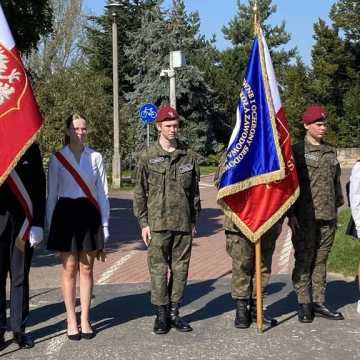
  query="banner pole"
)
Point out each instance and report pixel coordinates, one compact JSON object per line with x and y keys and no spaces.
{"x":259,"y":299}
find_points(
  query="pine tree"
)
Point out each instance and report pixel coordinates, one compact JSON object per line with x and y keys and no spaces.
{"x":240,"y":31}
{"x":161,"y":32}
{"x":336,"y":76}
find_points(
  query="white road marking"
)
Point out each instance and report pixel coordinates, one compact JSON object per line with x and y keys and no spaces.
{"x":105,"y":276}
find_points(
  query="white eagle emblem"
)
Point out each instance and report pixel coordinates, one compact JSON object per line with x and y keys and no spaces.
{"x":6,"y":90}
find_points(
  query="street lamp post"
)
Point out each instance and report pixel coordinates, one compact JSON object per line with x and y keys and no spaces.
{"x":113,"y":7}
{"x":177,"y":60}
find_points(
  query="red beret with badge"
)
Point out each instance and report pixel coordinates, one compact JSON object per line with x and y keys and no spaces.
{"x":166,"y":113}
{"x":314,"y":113}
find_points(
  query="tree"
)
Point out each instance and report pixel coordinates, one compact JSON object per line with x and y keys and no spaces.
{"x":162,"y":32}
{"x":346,"y":16}
{"x":335,"y":76}
{"x":74,"y":89}
{"x":296,"y":95}
{"x":64,"y":83}
{"x":240,"y":31}
{"x":62,"y":48}
{"x":28,"y":20}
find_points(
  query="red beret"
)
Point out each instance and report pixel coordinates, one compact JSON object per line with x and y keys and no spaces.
{"x":313,"y":113}
{"x":166,"y":113}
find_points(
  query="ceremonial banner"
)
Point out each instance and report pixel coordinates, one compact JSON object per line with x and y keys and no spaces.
{"x":258,"y":180}
{"x":20,"y":119}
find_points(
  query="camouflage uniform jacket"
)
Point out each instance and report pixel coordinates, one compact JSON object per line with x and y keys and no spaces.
{"x":229,"y":225}
{"x":166,"y":195}
{"x":319,"y":176}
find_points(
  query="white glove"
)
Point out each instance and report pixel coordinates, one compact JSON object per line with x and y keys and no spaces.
{"x":36,"y":235}
{"x":106,"y":233}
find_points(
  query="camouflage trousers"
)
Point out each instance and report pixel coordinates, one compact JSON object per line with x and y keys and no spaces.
{"x":168,"y":260}
{"x":312,"y":244}
{"x":242,"y":252}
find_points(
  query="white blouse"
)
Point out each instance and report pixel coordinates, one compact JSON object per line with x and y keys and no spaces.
{"x":355,"y":196}
{"x":62,"y":184}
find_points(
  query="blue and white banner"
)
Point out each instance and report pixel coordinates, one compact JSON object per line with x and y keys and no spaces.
{"x":253,"y":154}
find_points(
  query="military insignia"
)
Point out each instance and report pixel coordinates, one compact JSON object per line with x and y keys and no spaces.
{"x":13,"y":81}
{"x":185,"y":168}
{"x":157,"y":160}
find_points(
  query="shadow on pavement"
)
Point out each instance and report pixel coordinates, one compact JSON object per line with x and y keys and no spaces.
{"x":339,"y":293}
{"x":210,"y":222}
{"x":120,"y":310}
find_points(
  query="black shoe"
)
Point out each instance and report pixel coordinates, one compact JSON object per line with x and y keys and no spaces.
{"x":87,"y":335}
{"x":321,"y":310}
{"x":2,"y":340}
{"x":305,"y":313}
{"x":176,"y":321}
{"x":162,"y":324}
{"x":23,"y":340}
{"x":242,"y":317}
{"x":74,"y":337}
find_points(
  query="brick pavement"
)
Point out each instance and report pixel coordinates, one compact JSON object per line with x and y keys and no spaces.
{"x":127,"y":261}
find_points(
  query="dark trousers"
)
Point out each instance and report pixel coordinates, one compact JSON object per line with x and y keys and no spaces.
{"x":16,"y":264}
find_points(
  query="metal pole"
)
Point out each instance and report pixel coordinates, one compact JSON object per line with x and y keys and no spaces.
{"x":116,"y":161}
{"x":147,"y":135}
{"x":172,"y":84}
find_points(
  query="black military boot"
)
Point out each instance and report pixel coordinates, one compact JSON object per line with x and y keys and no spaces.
{"x":267,"y":320}
{"x":176,"y":321}
{"x":24,"y":341}
{"x":242,"y":318}
{"x":161,"y":324}
{"x":321,"y":310}
{"x":305,"y":313}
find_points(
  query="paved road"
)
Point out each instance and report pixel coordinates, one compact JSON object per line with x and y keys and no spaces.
{"x":123,"y":317}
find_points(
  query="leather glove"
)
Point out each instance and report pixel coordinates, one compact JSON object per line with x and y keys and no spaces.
{"x":106,"y":233}
{"x":36,"y":235}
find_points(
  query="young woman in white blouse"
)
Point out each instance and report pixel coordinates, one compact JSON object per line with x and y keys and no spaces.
{"x":77,"y":214}
{"x":354,"y":197}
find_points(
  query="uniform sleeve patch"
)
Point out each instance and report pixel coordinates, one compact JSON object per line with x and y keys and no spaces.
{"x":157,"y":160}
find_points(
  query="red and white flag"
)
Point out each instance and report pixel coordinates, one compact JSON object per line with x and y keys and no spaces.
{"x":20,"y":119}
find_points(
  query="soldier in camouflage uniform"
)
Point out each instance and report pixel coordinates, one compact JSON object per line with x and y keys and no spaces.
{"x":243,"y":281}
{"x":313,"y":216}
{"x":167,"y":204}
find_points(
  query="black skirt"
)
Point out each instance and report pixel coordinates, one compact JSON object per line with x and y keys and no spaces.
{"x":351,"y":229}
{"x":75,"y":226}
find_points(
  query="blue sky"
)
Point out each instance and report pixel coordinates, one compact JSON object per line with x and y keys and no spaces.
{"x":298,"y":15}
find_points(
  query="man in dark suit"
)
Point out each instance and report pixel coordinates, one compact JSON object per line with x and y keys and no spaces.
{"x":22,"y":212}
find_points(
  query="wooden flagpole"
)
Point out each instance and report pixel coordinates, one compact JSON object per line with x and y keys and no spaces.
{"x":259,"y":299}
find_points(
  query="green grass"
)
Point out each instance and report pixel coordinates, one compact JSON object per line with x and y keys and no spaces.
{"x":345,"y":252}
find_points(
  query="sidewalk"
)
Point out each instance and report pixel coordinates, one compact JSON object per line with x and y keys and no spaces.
{"x":123,"y":318}
{"x":122,"y":315}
